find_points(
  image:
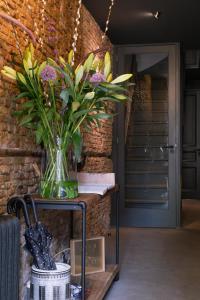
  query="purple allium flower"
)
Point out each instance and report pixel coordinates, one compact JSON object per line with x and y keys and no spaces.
{"x":48,"y":73}
{"x":97,"y":78}
{"x":51,"y":28}
{"x":52,"y":38}
{"x":55,"y":51}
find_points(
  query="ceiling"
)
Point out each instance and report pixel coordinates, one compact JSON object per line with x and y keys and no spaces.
{"x":132,"y":21}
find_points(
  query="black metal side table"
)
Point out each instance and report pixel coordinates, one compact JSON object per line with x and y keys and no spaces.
{"x":80,"y":204}
{"x":70,"y":206}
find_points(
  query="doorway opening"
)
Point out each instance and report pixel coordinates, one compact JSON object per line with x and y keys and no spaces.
{"x":191,"y":141}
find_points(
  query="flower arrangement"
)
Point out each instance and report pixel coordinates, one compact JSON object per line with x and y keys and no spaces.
{"x":58,"y":98}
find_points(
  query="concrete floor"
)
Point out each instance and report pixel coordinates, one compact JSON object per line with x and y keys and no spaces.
{"x":161,"y":264}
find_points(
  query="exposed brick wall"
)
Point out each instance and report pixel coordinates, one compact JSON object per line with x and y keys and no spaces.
{"x":17,"y":175}
{"x":56,"y":34}
{"x":98,"y":142}
{"x":98,"y":221}
{"x":17,"y":172}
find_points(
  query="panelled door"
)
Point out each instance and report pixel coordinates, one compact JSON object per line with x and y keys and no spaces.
{"x":191,"y":145}
{"x":147,"y":137}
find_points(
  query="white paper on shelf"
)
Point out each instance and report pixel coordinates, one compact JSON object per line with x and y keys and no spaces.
{"x":100,"y":189}
{"x":95,"y":183}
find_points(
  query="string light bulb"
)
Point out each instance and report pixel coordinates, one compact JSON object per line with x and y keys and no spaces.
{"x":75,"y":35}
{"x":108,"y":19}
{"x":156,"y":15}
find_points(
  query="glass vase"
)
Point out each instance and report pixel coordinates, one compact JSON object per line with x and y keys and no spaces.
{"x":60,"y":175}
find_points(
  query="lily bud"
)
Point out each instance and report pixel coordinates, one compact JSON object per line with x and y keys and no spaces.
{"x":21,"y":78}
{"x":70,"y":56}
{"x":61,"y":59}
{"x":9,"y":72}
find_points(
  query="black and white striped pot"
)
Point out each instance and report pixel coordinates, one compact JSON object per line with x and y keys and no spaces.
{"x":51,"y":285}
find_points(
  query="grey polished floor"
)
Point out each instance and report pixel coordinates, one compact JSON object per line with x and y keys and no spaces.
{"x":161,"y":264}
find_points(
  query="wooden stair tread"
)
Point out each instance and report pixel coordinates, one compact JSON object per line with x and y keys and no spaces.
{"x":147,"y":172}
{"x":130,"y":158}
{"x":150,"y":122}
{"x":146,"y":186}
{"x":149,"y":201}
{"x":151,"y":111}
{"x":145,"y":147}
{"x":148,"y":134}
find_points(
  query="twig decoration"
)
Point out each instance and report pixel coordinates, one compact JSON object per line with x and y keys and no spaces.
{"x":96,"y":51}
{"x":19,"y":24}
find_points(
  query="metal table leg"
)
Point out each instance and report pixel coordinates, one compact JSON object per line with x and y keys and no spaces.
{"x":71,"y":224}
{"x":84,"y":209}
{"x":117,"y":232}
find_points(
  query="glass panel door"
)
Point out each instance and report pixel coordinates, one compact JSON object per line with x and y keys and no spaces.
{"x":147,"y":161}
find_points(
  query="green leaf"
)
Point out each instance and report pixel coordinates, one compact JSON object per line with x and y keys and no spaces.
{"x":87,"y":128}
{"x":31,"y":126}
{"x":77,"y":143}
{"x":81,"y":113}
{"x":39,"y":133}
{"x":88,"y":63}
{"x":79,"y":75}
{"x":112,"y":87}
{"x":120,"y":96}
{"x":21,"y":78}
{"x":64,"y":95}
{"x":122,"y":78}
{"x":68,"y":69}
{"x":22,"y":95}
{"x":98,"y":123}
{"x":28,"y":104}
{"x":52,"y":62}
{"x":102,"y":116}
{"x":25,"y":120}
{"x":49,"y":114}
{"x":57,"y":116}
{"x":17,"y":113}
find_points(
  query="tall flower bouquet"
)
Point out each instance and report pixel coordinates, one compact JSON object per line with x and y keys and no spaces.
{"x":58,"y":98}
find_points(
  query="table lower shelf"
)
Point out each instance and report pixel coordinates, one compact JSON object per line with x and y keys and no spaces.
{"x":99,"y":283}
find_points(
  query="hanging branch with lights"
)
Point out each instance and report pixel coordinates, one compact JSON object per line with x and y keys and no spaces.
{"x":108,"y":20}
{"x":75,"y":35}
{"x":19,"y":24}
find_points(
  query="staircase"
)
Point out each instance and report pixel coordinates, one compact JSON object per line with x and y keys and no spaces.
{"x":146,"y":180}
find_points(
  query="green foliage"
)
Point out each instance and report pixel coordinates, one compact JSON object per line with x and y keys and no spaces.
{"x":122,"y":78}
{"x":64,"y":95}
{"x":107,"y":64}
{"x":59,"y":105}
{"x":77,"y":143}
{"x":79,"y":75}
{"x":88,"y":63}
